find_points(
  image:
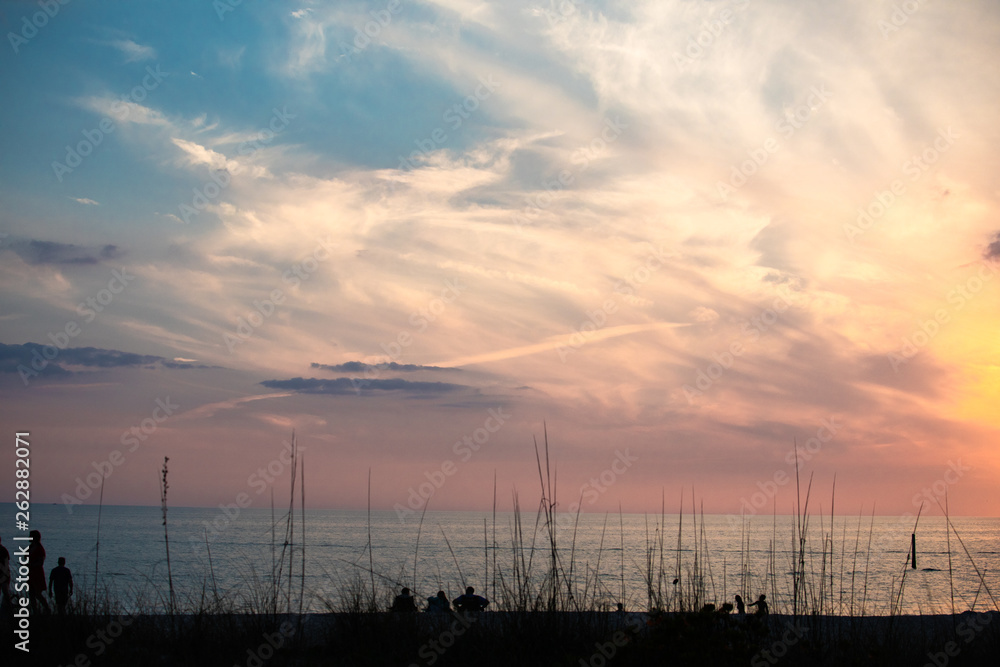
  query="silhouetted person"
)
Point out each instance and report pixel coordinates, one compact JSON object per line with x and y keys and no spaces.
{"x":438,"y":604}
{"x":4,"y":578}
{"x":61,"y":583}
{"x":36,"y":570}
{"x":470,"y":601}
{"x":404,"y":602}
{"x":761,"y":605}
{"x":741,"y":608}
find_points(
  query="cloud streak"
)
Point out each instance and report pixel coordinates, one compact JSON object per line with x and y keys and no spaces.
{"x":392,"y":366}
{"x":352,"y":386}
{"x":13,"y":356}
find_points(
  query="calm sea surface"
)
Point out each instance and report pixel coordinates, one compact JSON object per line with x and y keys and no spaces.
{"x":860,"y":579}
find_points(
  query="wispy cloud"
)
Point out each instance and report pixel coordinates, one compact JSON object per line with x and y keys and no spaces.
{"x":209,"y":410}
{"x":125,"y":112}
{"x":591,"y":212}
{"x":133,"y":51}
{"x":196,"y":154}
{"x":392,"y":367}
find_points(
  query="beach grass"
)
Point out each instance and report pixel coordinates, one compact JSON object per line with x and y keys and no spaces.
{"x":547,"y":608}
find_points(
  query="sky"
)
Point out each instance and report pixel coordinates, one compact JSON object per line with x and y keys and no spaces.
{"x":688,"y":243}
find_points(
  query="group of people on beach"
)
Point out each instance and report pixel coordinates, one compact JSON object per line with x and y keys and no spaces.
{"x":60,"y":588}
{"x":470,"y":602}
{"x":60,"y":579}
{"x":761,"y":604}
{"x":438,"y":604}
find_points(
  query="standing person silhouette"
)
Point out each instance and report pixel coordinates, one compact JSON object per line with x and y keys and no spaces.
{"x":761,"y":605}
{"x":4,"y":578}
{"x":36,"y":570}
{"x":741,"y":608}
{"x":470,"y":601}
{"x":61,"y":580}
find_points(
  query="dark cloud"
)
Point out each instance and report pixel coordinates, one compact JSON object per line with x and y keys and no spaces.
{"x":993,"y":249}
{"x":50,"y":252}
{"x":360,"y":367}
{"x":773,"y":244}
{"x":348,"y":386}
{"x":182,"y":364}
{"x":98,"y":358}
{"x":13,"y":356}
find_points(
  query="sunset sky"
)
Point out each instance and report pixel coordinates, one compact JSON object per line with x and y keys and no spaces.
{"x":685,"y":236}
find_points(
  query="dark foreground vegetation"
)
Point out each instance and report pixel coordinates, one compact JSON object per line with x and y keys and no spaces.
{"x":547,"y":610}
{"x":595,"y":639}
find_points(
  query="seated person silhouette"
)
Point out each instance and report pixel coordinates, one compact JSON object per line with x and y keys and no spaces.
{"x":470,"y":601}
{"x":404,"y":602}
{"x":438,"y":604}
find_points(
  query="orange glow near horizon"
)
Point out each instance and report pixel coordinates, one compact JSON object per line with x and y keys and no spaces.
{"x":703,"y":257}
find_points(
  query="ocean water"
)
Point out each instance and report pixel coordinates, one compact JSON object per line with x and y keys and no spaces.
{"x":614,"y":558}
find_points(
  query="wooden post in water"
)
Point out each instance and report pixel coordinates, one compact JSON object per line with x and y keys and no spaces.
{"x":913,"y":550}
